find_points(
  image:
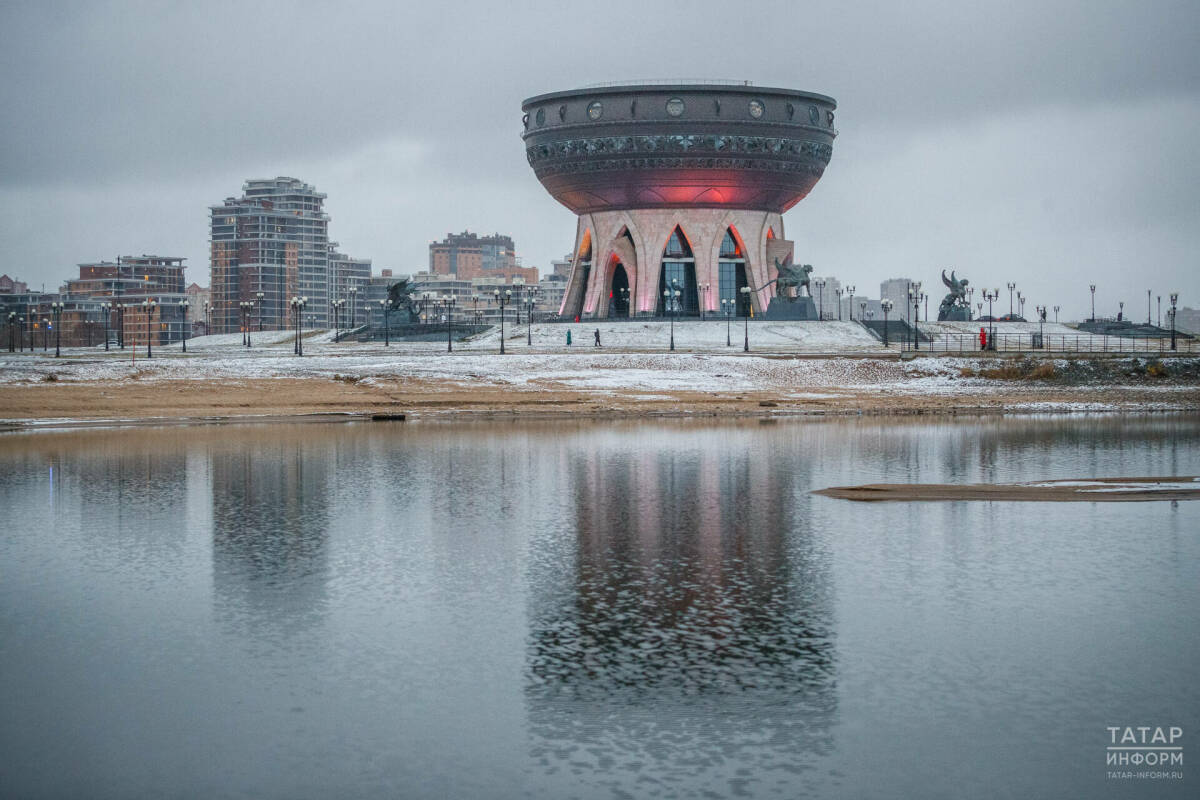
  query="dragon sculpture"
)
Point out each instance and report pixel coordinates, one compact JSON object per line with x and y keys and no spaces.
{"x":955,"y":299}
{"x":401,"y":297}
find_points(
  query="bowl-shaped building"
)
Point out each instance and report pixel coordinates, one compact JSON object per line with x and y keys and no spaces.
{"x":679,"y":188}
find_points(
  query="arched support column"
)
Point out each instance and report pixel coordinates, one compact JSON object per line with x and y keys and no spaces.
{"x":641,"y":254}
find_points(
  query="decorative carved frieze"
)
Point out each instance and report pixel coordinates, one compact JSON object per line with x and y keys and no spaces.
{"x":675,"y":143}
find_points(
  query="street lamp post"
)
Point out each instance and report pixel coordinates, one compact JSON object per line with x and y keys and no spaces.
{"x":1011,"y":286}
{"x":1149,"y":319}
{"x":475,"y":308}
{"x":886,"y":305}
{"x":148,"y":307}
{"x":448,"y":305}
{"x":1121,"y":309}
{"x":298,"y":304}
{"x":294,"y":304}
{"x":671,"y":299}
{"x":501,"y":300}
{"x":529,"y":303}
{"x":1041,"y":312}
{"x":746,"y":344}
{"x":916,"y":319}
{"x":991,"y":296}
{"x":704,"y":294}
{"x":106,"y":308}
{"x":353,"y":308}
{"x":862,"y":310}
{"x":820,"y":284}
{"x":1159,"y":317}
{"x":183,"y":307}
{"x":850,"y":307}
{"x":970,"y":297}
{"x":207,"y":313}
{"x":1093,"y":288}
{"x":726,"y":309}
{"x":260,"y":297}
{"x":1056,"y":308}
{"x":386,"y":305}
{"x":1171,"y":313}
{"x":21,"y":334}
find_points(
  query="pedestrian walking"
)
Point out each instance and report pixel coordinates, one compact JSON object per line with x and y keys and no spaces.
{"x":597,"y":337}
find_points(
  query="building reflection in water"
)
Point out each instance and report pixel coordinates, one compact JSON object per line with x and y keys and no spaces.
{"x":682,"y":625}
{"x":270,"y":522}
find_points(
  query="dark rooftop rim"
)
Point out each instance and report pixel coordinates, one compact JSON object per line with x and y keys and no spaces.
{"x":659,"y":88}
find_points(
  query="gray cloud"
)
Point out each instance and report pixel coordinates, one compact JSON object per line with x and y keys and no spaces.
{"x":1034,"y":141}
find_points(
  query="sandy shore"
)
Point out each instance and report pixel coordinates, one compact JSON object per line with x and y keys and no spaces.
{"x":285,"y":397}
{"x":418,"y":380}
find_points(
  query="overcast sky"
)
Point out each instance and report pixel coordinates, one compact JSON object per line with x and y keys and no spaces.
{"x":1043,"y":143}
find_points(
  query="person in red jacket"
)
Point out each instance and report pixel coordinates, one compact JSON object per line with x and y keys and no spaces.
{"x":982,"y":339}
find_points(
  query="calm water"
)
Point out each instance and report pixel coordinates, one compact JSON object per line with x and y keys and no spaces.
{"x":591,"y":610}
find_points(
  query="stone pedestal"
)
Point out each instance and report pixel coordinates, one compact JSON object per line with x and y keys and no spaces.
{"x":955,"y":314}
{"x":800,"y":308}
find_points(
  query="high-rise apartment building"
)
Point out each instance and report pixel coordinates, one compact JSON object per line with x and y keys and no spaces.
{"x":12,"y":285}
{"x":267,"y":246}
{"x":562,"y":266}
{"x":468,"y":256}
{"x":896,"y":290}
{"x":348,"y":277}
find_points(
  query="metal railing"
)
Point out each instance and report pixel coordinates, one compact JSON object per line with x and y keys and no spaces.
{"x":1066,"y":343}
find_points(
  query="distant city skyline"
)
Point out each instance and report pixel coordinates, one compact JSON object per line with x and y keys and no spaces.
{"x":1048,"y":145}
